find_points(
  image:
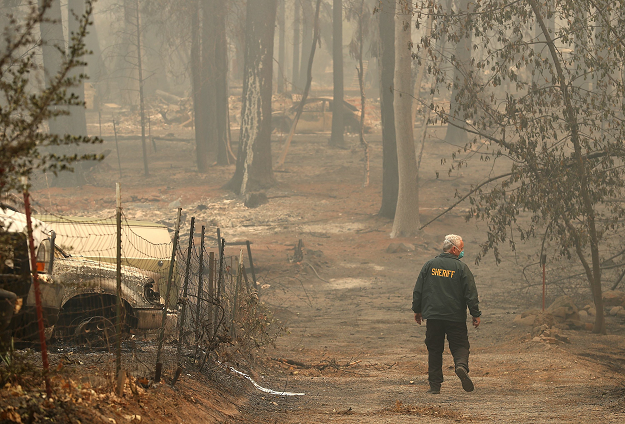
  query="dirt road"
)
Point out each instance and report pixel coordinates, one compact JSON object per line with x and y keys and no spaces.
{"x":365,"y":362}
{"x":352,"y":345}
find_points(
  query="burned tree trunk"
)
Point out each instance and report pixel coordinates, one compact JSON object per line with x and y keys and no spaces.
{"x":296,"y":34}
{"x":209,"y":66}
{"x":390,"y":176}
{"x":338,"y":126}
{"x":462,"y":60}
{"x":307,"y":36}
{"x":254,"y":168}
{"x":77,"y":116}
{"x":198,"y":100}
{"x":282,"y":47}
{"x":53,"y":45}
{"x":363,"y":100}
{"x":207,"y":86}
{"x":53,"y":48}
{"x":220,"y":82}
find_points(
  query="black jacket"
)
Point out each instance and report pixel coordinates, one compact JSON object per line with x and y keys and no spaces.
{"x":444,"y":289}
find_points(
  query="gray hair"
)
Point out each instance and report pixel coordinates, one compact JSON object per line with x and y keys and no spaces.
{"x":451,"y":240}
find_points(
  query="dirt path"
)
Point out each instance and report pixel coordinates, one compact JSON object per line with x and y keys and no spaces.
{"x":375,"y":368}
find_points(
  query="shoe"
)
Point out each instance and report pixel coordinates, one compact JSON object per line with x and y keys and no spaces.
{"x":434,"y":391}
{"x":467,"y":384}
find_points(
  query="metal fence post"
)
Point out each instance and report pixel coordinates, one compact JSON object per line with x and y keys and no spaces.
{"x":249,"y":255}
{"x":235,"y":302}
{"x":219,"y":244}
{"x":200,"y":284}
{"x":161,"y":336}
{"x":118,"y":356}
{"x":211,"y":292}
{"x":185,"y":289}
{"x":219,"y":282}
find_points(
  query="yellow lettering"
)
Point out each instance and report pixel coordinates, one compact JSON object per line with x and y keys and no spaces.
{"x":443,"y":272}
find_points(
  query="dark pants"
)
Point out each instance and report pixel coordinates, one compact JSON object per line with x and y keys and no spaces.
{"x":458,"y":339}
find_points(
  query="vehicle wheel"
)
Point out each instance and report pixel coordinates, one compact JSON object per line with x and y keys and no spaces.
{"x":5,"y":340}
{"x":95,"y":331}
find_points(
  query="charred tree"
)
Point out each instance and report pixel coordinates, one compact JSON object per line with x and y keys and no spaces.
{"x":199,"y":106}
{"x":363,"y":100}
{"x":390,"y":175}
{"x":221,"y":85}
{"x":281,"y":46}
{"x":97,"y":68}
{"x":307,"y":36}
{"x":296,"y":42}
{"x":53,"y":46}
{"x":77,"y":113}
{"x":146,"y":171}
{"x":461,"y":60}
{"x":254,"y":168}
{"x":338,"y":126}
{"x":53,"y":49}
{"x":210,"y":82}
{"x":153,"y":46}
{"x":208,"y":110}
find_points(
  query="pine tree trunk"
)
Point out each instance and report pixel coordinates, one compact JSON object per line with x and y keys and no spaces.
{"x":197,"y":80}
{"x":221,"y":86}
{"x":207,"y":87}
{"x":307,"y":35}
{"x":281,"y":46}
{"x":338,"y":127}
{"x":53,"y":47}
{"x":53,"y":40}
{"x":97,"y":69}
{"x":78,"y":119}
{"x":406,"y":222}
{"x":296,"y":33}
{"x":455,"y":134}
{"x":390,"y":176}
{"x":254,"y":167}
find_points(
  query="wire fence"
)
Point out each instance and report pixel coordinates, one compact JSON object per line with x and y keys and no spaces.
{"x":132,"y":298}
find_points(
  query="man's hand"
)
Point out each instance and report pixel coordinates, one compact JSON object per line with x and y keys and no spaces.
{"x":476,"y":321}
{"x":417,"y":317}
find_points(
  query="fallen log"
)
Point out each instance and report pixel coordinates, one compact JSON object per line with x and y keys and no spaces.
{"x":169,"y":98}
{"x":138,"y":137}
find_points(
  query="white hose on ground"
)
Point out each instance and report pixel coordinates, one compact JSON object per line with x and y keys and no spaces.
{"x":261,"y":388}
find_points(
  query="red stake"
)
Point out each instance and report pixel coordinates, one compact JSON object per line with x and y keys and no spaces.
{"x":543,"y":260}
{"x":33,"y":268}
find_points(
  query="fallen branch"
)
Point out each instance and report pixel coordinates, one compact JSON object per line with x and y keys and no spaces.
{"x":300,"y":107}
{"x":490,"y":180}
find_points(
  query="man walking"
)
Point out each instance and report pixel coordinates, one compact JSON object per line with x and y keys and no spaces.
{"x":444,"y":290}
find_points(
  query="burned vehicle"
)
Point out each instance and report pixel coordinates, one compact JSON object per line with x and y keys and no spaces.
{"x":78,"y":295}
{"x":316,"y":117}
{"x":15,"y":276}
